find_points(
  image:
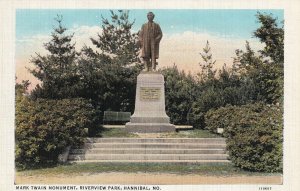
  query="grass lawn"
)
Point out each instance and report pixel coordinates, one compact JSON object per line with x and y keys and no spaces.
{"x":195,"y":133}
{"x":120,"y":132}
{"x":94,"y":168}
{"x":115,"y":132}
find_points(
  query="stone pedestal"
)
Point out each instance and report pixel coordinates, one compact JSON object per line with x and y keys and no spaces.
{"x":149,"y":114}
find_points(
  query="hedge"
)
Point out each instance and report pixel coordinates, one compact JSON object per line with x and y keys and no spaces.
{"x":220,"y":118}
{"x":45,"y":127}
{"x":254,"y":135}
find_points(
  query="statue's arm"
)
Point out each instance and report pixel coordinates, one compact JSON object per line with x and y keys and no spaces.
{"x":159,"y":34}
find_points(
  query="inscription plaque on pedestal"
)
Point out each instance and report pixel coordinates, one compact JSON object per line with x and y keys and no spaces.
{"x":150,"y":93}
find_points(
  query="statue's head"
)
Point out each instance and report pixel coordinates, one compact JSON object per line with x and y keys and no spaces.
{"x":150,"y":16}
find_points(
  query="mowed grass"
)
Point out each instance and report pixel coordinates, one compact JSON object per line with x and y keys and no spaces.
{"x":94,"y":168}
{"x":195,"y":133}
{"x":120,"y":133}
{"x":115,"y":132}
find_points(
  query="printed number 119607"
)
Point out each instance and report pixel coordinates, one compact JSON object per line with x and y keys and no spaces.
{"x":265,"y":188}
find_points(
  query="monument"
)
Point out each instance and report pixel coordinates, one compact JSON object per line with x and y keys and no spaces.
{"x":149,"y":113}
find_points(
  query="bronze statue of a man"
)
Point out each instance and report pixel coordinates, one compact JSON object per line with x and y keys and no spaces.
{"x":149,"y":37}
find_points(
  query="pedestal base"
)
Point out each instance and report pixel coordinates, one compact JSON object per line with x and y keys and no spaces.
{"x":149,"y":113}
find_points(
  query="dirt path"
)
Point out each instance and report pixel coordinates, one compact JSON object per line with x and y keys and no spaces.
{"x":145,"y":178}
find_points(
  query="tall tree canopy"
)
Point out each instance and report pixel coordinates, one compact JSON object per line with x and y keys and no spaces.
{"x":265,"y":68}
{"x":110,"y":72}
{"x":272,"y":36}
{"x":57,"y":71}
{"x":116,"y":38}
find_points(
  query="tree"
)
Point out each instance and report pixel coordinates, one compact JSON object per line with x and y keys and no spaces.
{"x":217,"y":88}
{"x":116,"y":38}
{"x":272,"y":36}
{"x":207,"y":71}
{"x":180,"y":94}
{"x":21,"y":90}
{"x":109,"y":73}
{"x":265,"y":68}
{"x":57,"y":71}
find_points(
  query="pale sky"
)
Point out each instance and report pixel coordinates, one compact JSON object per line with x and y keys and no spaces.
{"x":185,"y":33}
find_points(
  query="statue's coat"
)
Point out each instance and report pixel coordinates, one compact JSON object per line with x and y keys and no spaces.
{"x":150,"y":38}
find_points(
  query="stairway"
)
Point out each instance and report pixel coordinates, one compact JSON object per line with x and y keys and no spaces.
{"x":160,"y":150}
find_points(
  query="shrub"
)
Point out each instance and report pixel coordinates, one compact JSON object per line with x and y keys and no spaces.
{"x":219,"y":118}
{"x":219,"y":93}
{"x":179,"y":89}
{"x":254,"y":135}
{"x":45,"y":127}
{"x":210,"y":98}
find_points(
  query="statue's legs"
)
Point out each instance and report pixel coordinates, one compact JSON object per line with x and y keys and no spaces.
{"x":153,"y":64}
{"x":150,"y":60}
{"x":153,"y":59}
{"x":147,"y":64}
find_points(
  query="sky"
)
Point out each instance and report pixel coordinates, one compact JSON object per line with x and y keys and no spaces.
{"x":185,"y":33}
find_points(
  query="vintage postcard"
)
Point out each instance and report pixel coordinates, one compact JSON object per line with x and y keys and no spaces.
{"x":140,"y":95}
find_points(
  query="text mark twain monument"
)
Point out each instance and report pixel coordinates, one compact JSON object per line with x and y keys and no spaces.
{"x":149,"y":114}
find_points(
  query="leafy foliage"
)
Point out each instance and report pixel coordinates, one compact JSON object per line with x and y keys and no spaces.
{"x":109,"y":77}
{"x":273,"y":36}
{"x":179,"y":96}
{"x":265,"y":69}
{"x":219,"y":118}
{"x":218,"y":88}
{"x":21,"y":90}
{"x":266,"y":77}
{"x":110,"y":85}
{"x":254,"y":135}
{"x":116,"y":38}
{"x":45,"y":127}
{"x":253,"y":77}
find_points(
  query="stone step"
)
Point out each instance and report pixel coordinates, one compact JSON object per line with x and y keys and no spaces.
{"x":154,"y":161}
{"x":156,"y":140}
{"x":151,"y":150}
{"x":147,"y":151}
{"x":154,"y":145}
{"x":148,"y":157}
